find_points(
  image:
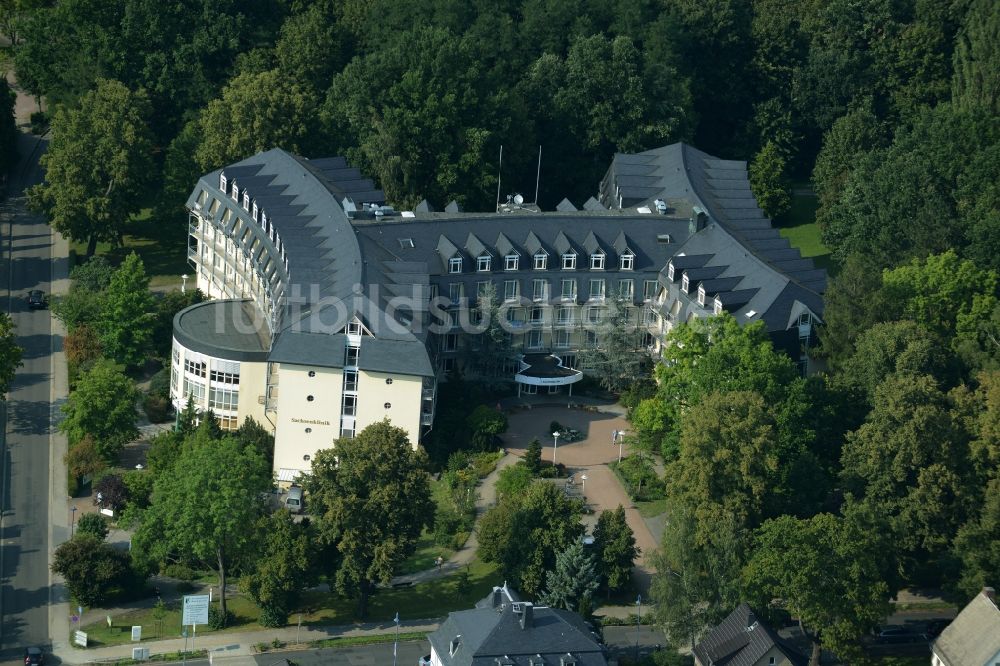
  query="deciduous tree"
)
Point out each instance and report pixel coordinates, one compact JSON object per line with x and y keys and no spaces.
{"x":127,"y":313}
{"x":204,"y":505}
{"x":93,"y":570}
{"x":976,"y":81}
{"x":286,"y":566}
{"x":10,"y":353}
{"x":97,"y":166}
{"x":371,"y":499}
{"x":769,"y":180}
{"x":619,"y":359}
{"x":103,"y":407}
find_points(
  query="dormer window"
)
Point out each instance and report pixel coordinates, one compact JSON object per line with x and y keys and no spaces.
{"x":718,"y":306}
{"x":541,"y":261}
{"x":627,"y":261}
{"x":455,"y":265}
{"x":255,"y":211}
{"x":685,"y":284}
{"x":236,"y":191}
{"x":483,"y":263}
{"x":510,"y":262}
{"x":246,"y":200}
{"x":701,"y":295}
{"x":222,"y":182}
{"x":597,"y":262}
{"x":569,"y":262}
{"x":670,"y":271}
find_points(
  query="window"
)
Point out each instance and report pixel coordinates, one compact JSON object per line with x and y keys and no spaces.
{"x":351,"y":355}
{"x":350,"y":405}
{"x":534,"y":339}
{"x":195,"y":367}
{"x":540,"y":289}
{"x":597,"y":290}
{"x":227,"y":422}
{"x":670,"y":271}
{"x":569,"y":361}
{"x":564,"y":315}
{"x":256,"y":211}
{"x":541,"y":261}
{"x":805,"y":319}
{"x":569,"y":262}
{"x":510,"y":262}
{"x":701,"y":295}
{"x":214,"y":208}
{"x":354,"y":327}
{"x":537,"y":315}
{"x":448,"y":364}
{"x":483,"y":263}
{"x":510,"y":290}
{"x":194,"y":390}
{"x":568,"y":291}
{"x":455,"y":292}
{"x":648,"y":290}
{"x":562,"y":339}
{"x":221,"y":398}
{"x":591,"y":338}
{"x":450,"y":342}
{"x":594,"y":315}
{"x":685,"y":284}
{"x":455,"y":265}
{"x":626,"y":288}
{"x":597,"y":262}
{"x":176,"y":353}
{"x":350,"y":380}
{"x":481,"y":289}
{"x":347,"y":431}
{"x":236,"y":191}
{"x":246,"y":200}
{"x":222,"y":182}
{"x":224,"y":377}
{"x":627,"y":261}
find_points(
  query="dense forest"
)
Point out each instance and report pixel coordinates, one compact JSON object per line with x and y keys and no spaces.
{"x":887,"y":467}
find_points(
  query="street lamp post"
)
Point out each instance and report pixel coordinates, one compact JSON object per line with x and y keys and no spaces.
{"x":621,"y":441}
{"x":184,"y":283}
{"x":396,"y":642}
{"x":555,"y":445}
{"x":583,"y":477}
{"x":638,"y":620}
{"x":72,"y":527}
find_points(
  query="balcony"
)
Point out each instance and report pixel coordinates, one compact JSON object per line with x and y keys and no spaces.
{"x":427,"y":419}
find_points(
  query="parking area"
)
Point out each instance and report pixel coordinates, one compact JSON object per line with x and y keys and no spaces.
{"x":588,"y":456}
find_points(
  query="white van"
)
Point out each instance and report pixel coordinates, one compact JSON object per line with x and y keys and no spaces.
{"x":293,"y":500}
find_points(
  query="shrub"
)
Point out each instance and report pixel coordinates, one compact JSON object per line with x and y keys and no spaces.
{"x":179,"y":571}
{"x":139,"y":487}
{"x":639,"y":478}
{"x":83,"y":459}
{"x":81,"y":345}
{"x":159,"y":383}
{"x":216,"y":620}
{"x":157,"y":408}
{"x":483,"y":464}
{"x":514,"y":480}
{"x":533,"y":456}
{"x":447,"y":522}
{"x":112,"y":491}
{"x":272,"y":617}
{"x":484,"y":424}
{"x":555,"y":426}
{"x":39,"y":122}
{"x":92,"y":524}
{"x":458,"y":539}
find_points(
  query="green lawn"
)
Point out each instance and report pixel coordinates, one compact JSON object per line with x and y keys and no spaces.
{"x":426,"y":600}
{"x":428,"y":551}
{"x":163,"y":248}
{"x":800,"y":228}
{"x":651,"y":508}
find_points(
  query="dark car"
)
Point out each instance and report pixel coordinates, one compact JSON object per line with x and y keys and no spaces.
{"x":899,"y":636}
{"x":36,"y":299}
{"x":935,"y":627}
{"x":33,"y":656}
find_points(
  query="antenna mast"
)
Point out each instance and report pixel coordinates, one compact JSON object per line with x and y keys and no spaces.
{"x":499,"y":167}
{"x":538,"y":175}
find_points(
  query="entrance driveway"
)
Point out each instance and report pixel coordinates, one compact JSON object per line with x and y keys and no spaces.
{"x":589,"y":456}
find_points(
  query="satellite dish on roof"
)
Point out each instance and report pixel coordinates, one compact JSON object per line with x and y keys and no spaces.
{"x":518,"y":199}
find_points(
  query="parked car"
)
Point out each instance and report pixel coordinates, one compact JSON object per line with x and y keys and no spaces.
{"x":33,"y":656}
{"x":293,"y":501}
{"x":935,"y":627}
{"x":899,"y":636}
{"x":36,"y":299}
{"x":424,"y":661}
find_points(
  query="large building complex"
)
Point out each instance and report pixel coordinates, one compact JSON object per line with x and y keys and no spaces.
{"x":331,"y":310}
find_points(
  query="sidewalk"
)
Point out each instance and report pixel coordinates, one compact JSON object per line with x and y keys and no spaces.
{"x":241,"y":644}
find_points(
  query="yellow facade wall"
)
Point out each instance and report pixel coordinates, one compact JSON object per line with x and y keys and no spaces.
{"x":403,"y":396}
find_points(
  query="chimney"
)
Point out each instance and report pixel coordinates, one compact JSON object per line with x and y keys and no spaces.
{"x":526,"y":615}
{"x":453,"y":646}
{"x":990,"y":594}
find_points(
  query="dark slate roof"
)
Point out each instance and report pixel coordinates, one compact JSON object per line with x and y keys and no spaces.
{"x":394,"y":356}
{"x":487,"y":634}
{"x":718,"y":186}
{"x":228,"y":329}
{"x":741,"y":640}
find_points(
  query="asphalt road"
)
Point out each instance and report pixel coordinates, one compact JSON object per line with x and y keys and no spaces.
{"x":25,"y":592}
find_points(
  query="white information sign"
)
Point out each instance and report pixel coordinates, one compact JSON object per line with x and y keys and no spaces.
{"x":136,"y":632}
{"x":140,"y":654}
{"x":80,"y":638}
{"x":195,"y":609}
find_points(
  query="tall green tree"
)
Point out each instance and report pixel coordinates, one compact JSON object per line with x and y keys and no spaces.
{"x":204,"y":505}
{"x":769,"y":181}
{"x":93,"y":570}
{"x":523,"y":533}
{"x":102,"y":407}
{"x":614,"y":544}
{"x":574,"y":580}
{"x":98,"y":165}
{"x":8,"y":128}
{"x":257,"y":111}
{"x":10,"y":353}
{"x":976,"y":81}
{"x":619,"y":359}
{"x":371,"y":499}
{"x":976,"y":544}
{"x":287,"y":565}
{"x":125,"y":325}
{"x":793,"y":560}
